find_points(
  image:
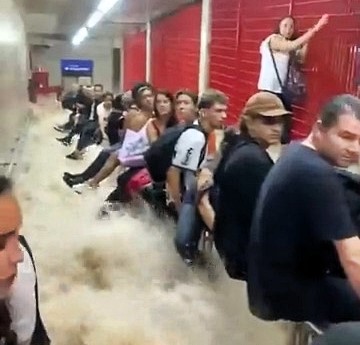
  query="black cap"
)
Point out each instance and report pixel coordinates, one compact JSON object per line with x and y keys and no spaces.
{"x":341,"y":334}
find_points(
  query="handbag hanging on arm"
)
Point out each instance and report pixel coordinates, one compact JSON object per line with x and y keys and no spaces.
{"x":294,"y":88}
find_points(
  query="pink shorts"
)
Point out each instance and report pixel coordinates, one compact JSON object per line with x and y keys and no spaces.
{"x":139,"y":181}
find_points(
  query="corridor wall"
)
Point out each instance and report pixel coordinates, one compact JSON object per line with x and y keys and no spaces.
{"x":175,"y":49}
{"x":238,"y":27}
{"x":13,"y":80}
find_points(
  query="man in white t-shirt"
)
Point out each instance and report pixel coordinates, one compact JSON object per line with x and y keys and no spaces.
{"x":20,"y":321}
{"x":190,"y":149}
{"x":103,"y":110}
{"x":189,"y":154}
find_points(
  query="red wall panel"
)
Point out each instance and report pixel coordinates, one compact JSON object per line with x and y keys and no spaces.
{"x":134,"y":58}
{"x":240,"y":25}
{"x":224,"y":52}
{"x":175,"y":50}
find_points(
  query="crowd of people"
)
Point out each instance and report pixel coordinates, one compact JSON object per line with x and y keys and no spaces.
{"x":294,"y":230}
{"x":289,"y":229}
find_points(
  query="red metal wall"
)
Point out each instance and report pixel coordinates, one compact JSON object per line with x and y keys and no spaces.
{"x":224,"y":52}
{"x":238,"y":27}
{"x":175,"y":50}
{"x":134,"y":58}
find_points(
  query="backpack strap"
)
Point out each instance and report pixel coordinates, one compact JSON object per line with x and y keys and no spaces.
{"x":203,"y":150}
{"x":40,"y":336}
{"x":275,"y":66}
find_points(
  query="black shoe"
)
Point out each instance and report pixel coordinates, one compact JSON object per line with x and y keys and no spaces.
{"x":71,"y":182}
{"x":65,"y":141}
{"x":66,"y":174}
{"x":60,"y":129}
{"x":73,"y":156}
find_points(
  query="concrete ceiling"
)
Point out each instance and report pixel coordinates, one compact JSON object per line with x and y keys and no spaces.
{"x":60,"y":19}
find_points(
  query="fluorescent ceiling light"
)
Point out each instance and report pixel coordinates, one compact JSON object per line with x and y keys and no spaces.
{"x":106,"y":5}
{"x":80,"y":36}
{"x":75,"y":42}
{"x":94,"y":19}
{"x":103,"y":7}
{"x":82,"y":33}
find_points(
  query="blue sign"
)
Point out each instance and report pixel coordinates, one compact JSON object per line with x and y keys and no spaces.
{"x":77,"y":67}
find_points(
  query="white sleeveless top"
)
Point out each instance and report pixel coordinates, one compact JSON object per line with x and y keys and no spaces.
{"x":134,"y":146}
{"x":267,"y":79}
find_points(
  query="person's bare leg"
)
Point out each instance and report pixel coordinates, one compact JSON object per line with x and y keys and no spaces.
{"x":111,"y":164}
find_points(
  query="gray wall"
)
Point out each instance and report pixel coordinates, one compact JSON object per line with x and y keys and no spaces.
{"x":100,"y":51}
{"x":13,"y":78}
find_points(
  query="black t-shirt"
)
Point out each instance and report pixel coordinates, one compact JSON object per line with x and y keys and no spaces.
{"x":238,"y":178}
{"x":300,"y":212}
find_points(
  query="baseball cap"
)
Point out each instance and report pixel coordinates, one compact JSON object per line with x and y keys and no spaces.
{"x":265,"y":104}
{"x":341,"y":334}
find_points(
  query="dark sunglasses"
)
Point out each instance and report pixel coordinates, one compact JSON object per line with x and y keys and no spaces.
{"x":270,"y":120}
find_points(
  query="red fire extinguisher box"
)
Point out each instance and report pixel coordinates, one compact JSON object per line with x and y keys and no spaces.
{"x":41,"y":80}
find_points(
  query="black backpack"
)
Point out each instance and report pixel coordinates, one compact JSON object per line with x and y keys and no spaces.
{"x":160,"y":154}
{"x":226,"y":241}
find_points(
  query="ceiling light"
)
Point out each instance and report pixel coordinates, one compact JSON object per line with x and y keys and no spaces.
{"x":80,"y":36}
{"x":94,"y":19}
{"x":106,"y":5}
{"x":103,"y":7}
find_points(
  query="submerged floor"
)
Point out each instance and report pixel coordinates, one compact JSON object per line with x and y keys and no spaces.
{"x":117,"y":281}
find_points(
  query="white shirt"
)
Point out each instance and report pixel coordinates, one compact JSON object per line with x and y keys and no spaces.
{"x":189,"y":153}
{"x":92,"y":112}
{"x":103,"y":115}
{"x":22,"y":301}
{"x":267,"y":78}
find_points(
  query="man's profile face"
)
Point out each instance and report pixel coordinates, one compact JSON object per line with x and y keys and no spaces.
{"x":10,"y":252}
{"x":216,"y":115}
{"x":341,"y":142}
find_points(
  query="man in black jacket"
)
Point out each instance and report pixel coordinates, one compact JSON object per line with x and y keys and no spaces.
{"x":90,"y":120}
{"x":303,"y":236}
{"x":20,"y":321}
{"x":239,"y":176}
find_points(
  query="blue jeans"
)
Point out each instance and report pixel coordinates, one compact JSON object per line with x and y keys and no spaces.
{"x":189,"y":226}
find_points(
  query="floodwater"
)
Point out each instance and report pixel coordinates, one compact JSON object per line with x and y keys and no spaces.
{"x":117,"y":281}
